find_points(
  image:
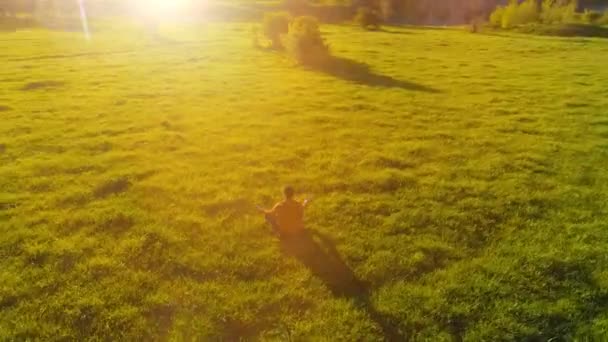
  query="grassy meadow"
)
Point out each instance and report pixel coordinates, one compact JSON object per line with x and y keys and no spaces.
{"x":460,"y":187}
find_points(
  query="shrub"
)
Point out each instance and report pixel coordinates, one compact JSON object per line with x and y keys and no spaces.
{"x":517,"y":14}
{"x":528,"y":12}
{"x":548,"y":14}
{"x":554,"y":12}
{"x":591,"y":17}
{"x":274,"y":26}
{"x":304,"y":41}
{"x":509,"y":15}
{"x":367,"y":18}
{"x":569,"y":12}
{"x":603,"y":20}
{"x":496,"y":16}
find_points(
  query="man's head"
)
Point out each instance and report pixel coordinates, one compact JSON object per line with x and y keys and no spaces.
{"x":288,"y":192}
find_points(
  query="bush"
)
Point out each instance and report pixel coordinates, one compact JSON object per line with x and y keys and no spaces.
{"x":509,"y":15}
{"x":496,"y":16}
{"x":274,"y":26}
{"x":304,"y":41}
{"x":517,"y":14}
{"x":528,"y":12}
{"x":553,"y":12}
{"x":367,"y":18}
{"x":603,"y":20}
{"x":550,"y":12}
{"x":569,"y":14}
{"x":591,"y":17}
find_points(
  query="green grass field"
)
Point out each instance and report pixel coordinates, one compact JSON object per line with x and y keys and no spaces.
{"x":460,"y":187}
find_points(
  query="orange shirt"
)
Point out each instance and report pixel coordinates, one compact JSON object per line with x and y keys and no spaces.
{"x":289,"y":215}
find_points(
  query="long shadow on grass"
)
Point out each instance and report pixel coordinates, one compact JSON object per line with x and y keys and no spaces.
{"x":385,"y":30}
{"x":318,"y":253}
{"x":567,"y":32}
{"x":357,"y":72}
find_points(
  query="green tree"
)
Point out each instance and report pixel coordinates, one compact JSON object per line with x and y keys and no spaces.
{"x":274,"y":26}
{"x":304,"y":42}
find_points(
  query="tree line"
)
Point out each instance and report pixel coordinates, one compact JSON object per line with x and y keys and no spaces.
{"x":395,"y":11}
{"x":446,"y":11}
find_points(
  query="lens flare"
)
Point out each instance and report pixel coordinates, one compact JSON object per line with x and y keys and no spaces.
{"x":160,"y":8}
{"x":83,"y":20}
{"x":163,"y":5}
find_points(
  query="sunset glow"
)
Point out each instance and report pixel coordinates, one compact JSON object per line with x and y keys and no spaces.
{"x":160,"y":8}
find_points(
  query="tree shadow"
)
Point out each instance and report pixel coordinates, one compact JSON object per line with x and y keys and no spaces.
{"x":566,"y":31}
{"x":360,"y":73}
{"x":577,"y":30}
{"x":384,"y":30}
{"x":318,"y":253}
{"x":428,"y":27}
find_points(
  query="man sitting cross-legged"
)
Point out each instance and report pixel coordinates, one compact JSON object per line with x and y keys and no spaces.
{"x":286,"y":217}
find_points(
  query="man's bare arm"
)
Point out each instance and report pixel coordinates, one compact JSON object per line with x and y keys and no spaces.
{"x":267,"y":211}
{"x":306,"y":202}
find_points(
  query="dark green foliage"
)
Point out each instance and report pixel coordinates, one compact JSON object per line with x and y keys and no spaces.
{"x":565,"y":30}
{"x":304,"y":42}
{"x":591,"y":17}
{"x":274,"y":26}
{"x":496,"y":16}
{"x":604,"y":19}
{"x":368,"y":18}
{"x":559,"y":12}
{"x":552,"y":17}
{"x":516,"y":14}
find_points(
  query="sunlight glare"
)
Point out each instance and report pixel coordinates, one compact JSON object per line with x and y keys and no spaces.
{"x":84,"y":21}
{"x":160,"y":8}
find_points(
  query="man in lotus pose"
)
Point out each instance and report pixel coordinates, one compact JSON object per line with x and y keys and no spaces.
{"x":286,"y":217}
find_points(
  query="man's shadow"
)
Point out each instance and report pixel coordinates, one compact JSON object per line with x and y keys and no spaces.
{"x":318,"y":253}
